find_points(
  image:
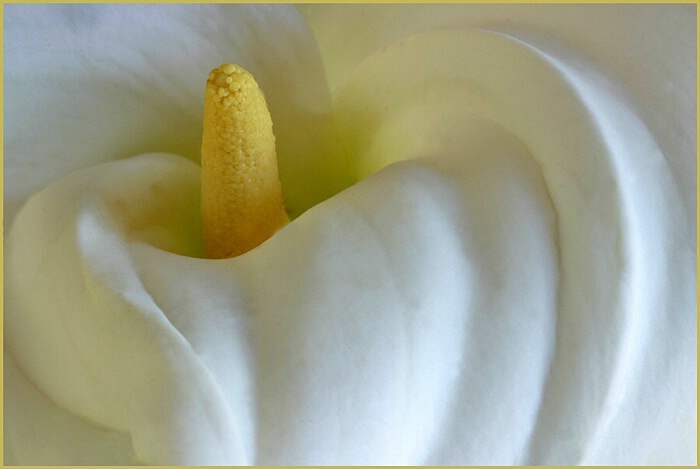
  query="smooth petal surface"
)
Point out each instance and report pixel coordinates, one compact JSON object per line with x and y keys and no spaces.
{"x":624,"y":246}
{"x":648,"y":51}
{"x":511,"y":282}
{"x":85,"y":84}
{"x":92,"y":83}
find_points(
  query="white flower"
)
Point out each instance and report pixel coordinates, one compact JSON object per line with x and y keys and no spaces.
{"x":492,"y":259}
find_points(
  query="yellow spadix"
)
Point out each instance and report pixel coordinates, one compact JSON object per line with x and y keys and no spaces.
{"x":242,"y":202}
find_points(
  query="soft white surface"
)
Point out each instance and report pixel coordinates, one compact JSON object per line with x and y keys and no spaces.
{"x":512,"y":281}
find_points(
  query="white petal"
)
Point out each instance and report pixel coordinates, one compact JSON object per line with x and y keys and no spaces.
{"x":105,"y":352}
{"x":502,"y":299}
{"x":626,"y":276}
{"x":42,"y":434}
{"x":521,"y":291}
{"x":91,"y":83}
{"x":649,"y":51}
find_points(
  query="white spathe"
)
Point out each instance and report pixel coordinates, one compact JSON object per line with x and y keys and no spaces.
{"x":512,"y":281}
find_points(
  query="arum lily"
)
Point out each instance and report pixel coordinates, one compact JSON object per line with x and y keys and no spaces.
{"x":490,"y":259}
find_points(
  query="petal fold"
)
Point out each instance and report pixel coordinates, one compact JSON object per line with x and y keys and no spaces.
{"x":511,"y":281}
{"x":92,"y":83}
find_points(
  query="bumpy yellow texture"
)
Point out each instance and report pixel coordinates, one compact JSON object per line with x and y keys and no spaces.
{"x":242,"y":202}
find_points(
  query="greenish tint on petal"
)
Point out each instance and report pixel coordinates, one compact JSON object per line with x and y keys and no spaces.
{"x":511,"y":281}
{"x":648,"y":50}
{"x":625,"y":259}
{"x":91,"y":83}
{"x":87,"y":84}
{"x":39,"y":433}
{"x":106,"y":353}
